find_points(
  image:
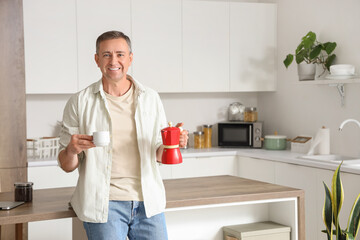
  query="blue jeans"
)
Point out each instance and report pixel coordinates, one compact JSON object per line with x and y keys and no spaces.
{"x":127,"y":218}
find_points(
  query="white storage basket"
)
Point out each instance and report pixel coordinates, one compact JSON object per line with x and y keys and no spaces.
{"x":45,"y":147}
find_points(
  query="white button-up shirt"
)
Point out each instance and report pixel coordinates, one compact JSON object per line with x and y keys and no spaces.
{"x":87,"y":112}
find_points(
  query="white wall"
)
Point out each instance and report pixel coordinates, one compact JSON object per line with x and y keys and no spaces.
{"x":301,"y":109}
{"x":194,"y":109}
{"x":292,"y":110}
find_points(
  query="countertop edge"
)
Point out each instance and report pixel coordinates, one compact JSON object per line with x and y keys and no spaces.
{"x":283,"y":156}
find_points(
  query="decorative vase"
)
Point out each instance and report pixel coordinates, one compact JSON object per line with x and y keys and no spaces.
{"x":306,"y":71}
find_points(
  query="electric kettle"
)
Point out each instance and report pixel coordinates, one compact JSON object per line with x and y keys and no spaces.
{"x":236,"y":112}
{"x":171,"y":137}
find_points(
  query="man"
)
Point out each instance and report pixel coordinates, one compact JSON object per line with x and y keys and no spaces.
{"x":120,"y":191}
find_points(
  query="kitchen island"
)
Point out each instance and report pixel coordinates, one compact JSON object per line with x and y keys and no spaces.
{"x":193,"y":205}
{"x":284,"y":168}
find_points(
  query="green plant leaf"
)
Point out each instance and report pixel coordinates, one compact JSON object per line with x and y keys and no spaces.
{"x":300,"y":56}
{"x":308,"y":40}
{"x":354,"y":219}
{"x":298,"y":49}
{"x":329,"y":61}
{"x":327,"y":212}
{"x":315,"y":52}
{"x":329,"y":47}
{"x":337,"y":199}
{"x":288,"y":60}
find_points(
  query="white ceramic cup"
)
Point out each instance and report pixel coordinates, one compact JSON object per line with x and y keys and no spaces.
{"x":101,"y":138}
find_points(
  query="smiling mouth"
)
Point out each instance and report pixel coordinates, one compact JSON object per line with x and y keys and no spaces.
{"x":114,"y":69}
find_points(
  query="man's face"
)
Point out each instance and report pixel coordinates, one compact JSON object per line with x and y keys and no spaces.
{"x":114,"y":59}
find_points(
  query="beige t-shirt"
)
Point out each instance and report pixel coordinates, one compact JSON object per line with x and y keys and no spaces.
{"x":125,"y":183}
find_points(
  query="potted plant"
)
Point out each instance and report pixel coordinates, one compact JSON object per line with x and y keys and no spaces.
{"x":331,"y":210}
{"x":311,"y":52}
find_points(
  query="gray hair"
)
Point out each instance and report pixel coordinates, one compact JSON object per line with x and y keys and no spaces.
{"x":112,"y":35}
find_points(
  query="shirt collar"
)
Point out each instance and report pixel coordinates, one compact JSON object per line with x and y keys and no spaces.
{"x":139,"y":88}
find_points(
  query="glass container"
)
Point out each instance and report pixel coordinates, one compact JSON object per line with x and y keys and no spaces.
{"x":23,"y":191}
{"x":199,"y":139}
{"x":207,"y":135}
{"x":250,"y":114}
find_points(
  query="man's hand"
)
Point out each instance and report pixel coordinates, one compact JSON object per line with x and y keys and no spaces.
{"x":79,"y":143}
{"x":184,"y":135}
{"x":68,"y":157}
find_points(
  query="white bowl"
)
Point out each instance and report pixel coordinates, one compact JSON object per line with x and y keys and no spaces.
{"x":342,"y":69}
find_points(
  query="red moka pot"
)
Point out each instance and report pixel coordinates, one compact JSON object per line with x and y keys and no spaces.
{"x":171,"y":137}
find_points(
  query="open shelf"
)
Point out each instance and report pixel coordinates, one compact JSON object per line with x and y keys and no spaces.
{"x":338,"y":83}
{"x":330,"y":82}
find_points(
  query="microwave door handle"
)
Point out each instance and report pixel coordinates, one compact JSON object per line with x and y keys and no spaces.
{"x":250,"y":135}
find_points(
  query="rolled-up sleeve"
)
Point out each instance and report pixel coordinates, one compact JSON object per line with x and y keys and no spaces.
{"x":70,"y":125}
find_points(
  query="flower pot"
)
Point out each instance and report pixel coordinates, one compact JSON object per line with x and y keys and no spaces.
{"x":306,"y":71}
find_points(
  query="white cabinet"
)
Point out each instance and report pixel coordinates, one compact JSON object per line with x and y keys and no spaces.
{"x":51,"y":177}
{"x":252,"y":46}
{"x":303,"y":178}
{"x":311,"y":181}
{"x":290,"y":175}
{"x":94,"y":18}
{"x":256,"y":169}
{"x":50,"y":46}
{"x":205,"y":46}
{"x":201,"y":167}
{"x":165,"y":171}
{"x":179,"y":46}
{"x":156,"y":37}
{"x":205,"y":166}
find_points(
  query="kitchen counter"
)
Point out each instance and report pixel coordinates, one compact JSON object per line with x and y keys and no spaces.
{"x":52,"y":203}
{"x":285,"y":156}
{"x":184,"y":195}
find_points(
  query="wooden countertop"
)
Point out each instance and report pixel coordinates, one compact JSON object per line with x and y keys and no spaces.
{"x":186,"y":192}
{"x":47,"y":204}
{"x":53,"y":203}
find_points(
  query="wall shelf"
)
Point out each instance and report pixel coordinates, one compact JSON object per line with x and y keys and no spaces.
{"x":330,"y":82}
{"x":338,"y":83}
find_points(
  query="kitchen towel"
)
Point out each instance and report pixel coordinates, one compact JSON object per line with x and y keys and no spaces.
{"x":321,"y":143}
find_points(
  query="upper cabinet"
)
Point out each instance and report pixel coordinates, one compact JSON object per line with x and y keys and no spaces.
{"x":252,"y":47}
{"x":94,"y":18}
{"x":50,"y":46}
{"x":205,"y":46}
{"x":178,"y":45}
{"x":156,"y":37}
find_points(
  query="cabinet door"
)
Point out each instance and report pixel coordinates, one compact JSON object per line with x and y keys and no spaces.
{"x":303,"y":178}
{"x":93,"y":19}
{"x":156,"y":36}
{"x":205,"y":46}
{"x":256,"y":169}
{"x":252,"y":47}
{"x":165,"y":171}
{"x":50,"y":46}
{"x":51,"y":177}
{"x":205,"y":166}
